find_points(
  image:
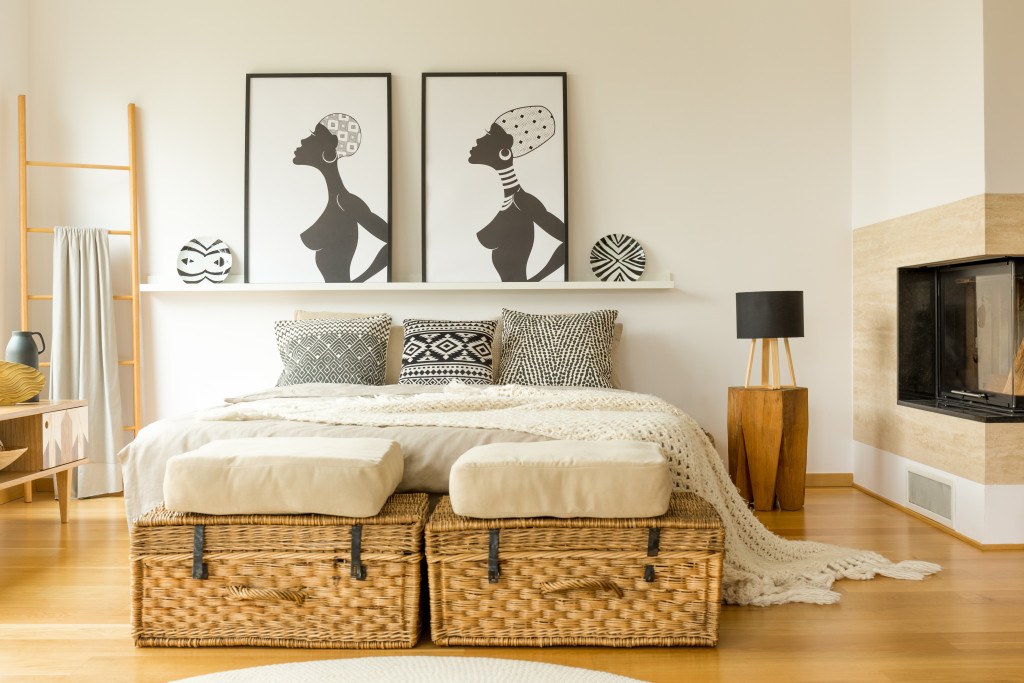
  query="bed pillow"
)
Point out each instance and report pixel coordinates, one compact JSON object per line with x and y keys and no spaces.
{"x":394,"y":363}
{"x":333,"y":351}
{"x":496,"y":353}
{"x":572,"y":349}
{"x":439,"y":351}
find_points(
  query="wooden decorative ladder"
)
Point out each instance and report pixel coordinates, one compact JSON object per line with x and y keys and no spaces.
{"x":132,"y":233}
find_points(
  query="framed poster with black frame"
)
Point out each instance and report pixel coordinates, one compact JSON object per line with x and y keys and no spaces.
{"x":495,"y":178}
{"x":317,"y":178}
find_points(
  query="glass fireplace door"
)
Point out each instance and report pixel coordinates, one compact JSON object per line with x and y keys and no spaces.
{"x":979,"y":335}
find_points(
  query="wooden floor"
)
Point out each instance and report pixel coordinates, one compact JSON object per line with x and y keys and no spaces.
{"x":64,"y":610}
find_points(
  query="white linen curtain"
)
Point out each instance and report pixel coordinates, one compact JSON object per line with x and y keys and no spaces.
{"x":83,"y":351}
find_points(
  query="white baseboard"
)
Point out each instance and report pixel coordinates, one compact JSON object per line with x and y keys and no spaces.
{"x":986,"y":514}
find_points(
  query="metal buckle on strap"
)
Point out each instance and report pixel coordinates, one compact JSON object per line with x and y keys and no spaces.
{"x":653,"y":541}
{"x":358,"y":570}
{"x":493,"y":572}
{"x":198,"y":566}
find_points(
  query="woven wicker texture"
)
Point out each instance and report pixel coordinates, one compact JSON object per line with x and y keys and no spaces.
{"x":279,"y":580}
{"x":577,"y":581}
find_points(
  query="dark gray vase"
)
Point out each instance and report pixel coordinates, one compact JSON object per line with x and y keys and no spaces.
{"x":22,"y":349}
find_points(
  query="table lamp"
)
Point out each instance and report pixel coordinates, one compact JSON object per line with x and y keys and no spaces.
{"x":769,"y":316}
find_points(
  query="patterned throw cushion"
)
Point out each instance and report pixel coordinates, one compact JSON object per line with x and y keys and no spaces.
{"x":439,"y":351}
{"x":333,"y":351}
{"x":573,"y":349}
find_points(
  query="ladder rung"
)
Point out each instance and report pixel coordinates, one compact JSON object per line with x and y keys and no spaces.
{"x":50,"y":231}
{"x":49,"y":297}
{"x":131,"y":428}
{"x":120,"y":362}
{"x":64,"y":165}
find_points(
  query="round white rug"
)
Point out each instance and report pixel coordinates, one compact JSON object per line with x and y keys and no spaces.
{"x":412,"y":669}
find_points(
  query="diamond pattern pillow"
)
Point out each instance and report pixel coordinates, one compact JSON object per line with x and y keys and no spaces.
{"x":333,"y":351}
{"x":573,"y":349}
{"x":439,"y":351}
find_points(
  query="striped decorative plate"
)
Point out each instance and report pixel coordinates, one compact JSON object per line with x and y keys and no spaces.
{"x":617,"y":258}
{"x":204,"y":259}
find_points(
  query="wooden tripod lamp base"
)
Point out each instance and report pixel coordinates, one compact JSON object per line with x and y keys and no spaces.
{"x":770,"y":364}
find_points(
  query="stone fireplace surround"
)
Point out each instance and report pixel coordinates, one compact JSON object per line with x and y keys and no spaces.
{"x":983,"y":462}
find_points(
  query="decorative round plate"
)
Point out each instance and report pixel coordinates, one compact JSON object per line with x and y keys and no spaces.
{"x":617,"y":258}
{"x":204,"y":258}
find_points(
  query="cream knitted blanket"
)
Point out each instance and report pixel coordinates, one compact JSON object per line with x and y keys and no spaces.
{"x":760,"y":568}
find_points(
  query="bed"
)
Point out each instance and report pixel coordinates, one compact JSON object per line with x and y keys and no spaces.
{"x":436,"y":424}
{"x":439,"y":388}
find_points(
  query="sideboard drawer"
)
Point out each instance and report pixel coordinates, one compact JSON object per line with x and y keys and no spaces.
{"x":65,"y":436}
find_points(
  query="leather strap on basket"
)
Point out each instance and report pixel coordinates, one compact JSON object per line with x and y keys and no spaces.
{"x":591,"y":584}
{"x":274,"y":594}
{"x":493,"y":572}
{"x":358,"y":570}
{"x":198,"y":566}
{"x":653,"y":541}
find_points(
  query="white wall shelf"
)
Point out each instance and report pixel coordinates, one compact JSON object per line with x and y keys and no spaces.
{"x":167,"y":286}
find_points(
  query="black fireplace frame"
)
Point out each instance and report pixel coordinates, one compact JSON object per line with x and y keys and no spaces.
{"x":919,"y":345}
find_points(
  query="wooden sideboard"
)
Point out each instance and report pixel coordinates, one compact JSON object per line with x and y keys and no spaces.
{"x":56,"y":435}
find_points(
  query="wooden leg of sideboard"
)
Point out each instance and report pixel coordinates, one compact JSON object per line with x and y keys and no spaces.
{"x":63,"y":493}
{"x":28,"y":491}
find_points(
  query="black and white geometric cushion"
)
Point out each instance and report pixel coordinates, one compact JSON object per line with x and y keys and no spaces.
{"x":333,"y":350}
{"x":573,"y":349}
{"x":439,"y":351}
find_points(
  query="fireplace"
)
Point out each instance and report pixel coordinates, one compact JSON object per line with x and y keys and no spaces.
{"x":961,"y":339}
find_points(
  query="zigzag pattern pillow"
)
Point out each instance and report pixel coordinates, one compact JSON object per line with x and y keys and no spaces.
{"x":333,"y":350}
{"x":573,"y":349}
{"x":439,"y":351}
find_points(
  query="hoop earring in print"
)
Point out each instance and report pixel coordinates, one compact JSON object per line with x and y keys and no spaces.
{"x":504,"y":154}
{"x":331,"y":161}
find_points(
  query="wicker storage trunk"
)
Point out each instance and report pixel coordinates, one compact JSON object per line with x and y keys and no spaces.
{"x":618,"y":582}
{"x":279,"y":580}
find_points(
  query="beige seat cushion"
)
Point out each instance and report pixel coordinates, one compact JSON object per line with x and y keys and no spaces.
{"x":287,"y":475}
{"x":561,"y":479}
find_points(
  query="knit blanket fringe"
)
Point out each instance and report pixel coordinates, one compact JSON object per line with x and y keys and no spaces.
{"x":760,"y":568}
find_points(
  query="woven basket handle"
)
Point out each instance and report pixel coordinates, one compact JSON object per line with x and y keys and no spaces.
{"x":247,"y":593}
{"x":569,"y":584}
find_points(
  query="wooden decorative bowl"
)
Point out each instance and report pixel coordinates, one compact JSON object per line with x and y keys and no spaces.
{"x":18,"y":383}
{"x":7,"y":457}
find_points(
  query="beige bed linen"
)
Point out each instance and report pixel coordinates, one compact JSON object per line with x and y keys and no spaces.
{"x":429,"y":451}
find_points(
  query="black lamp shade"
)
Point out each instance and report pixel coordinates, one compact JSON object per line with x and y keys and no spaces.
{"x":769,"y":315}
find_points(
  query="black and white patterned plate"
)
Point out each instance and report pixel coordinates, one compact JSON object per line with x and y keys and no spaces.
{"x":204,"y":259}
{"x":617,"y":258}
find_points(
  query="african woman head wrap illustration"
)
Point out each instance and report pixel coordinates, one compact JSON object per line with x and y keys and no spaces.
{"x":510,"y":234}
{"x":335,"y":234}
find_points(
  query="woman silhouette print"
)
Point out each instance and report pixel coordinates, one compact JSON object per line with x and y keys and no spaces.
{"x":510,"y":233}
{"x":335,"y":234}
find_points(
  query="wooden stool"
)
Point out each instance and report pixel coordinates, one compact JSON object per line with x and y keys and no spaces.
{"x":768,"y":445}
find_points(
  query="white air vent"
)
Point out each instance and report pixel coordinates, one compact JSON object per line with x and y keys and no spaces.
{"x":930,"y":496}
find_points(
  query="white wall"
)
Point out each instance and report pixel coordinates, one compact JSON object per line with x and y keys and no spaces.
{"x":14,"y":52}
{"x":1004,"y":96}
{"x":918,"y":87}
{"x":718,"y":134}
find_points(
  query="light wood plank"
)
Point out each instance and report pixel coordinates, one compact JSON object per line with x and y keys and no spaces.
{"x":63,"y":164}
